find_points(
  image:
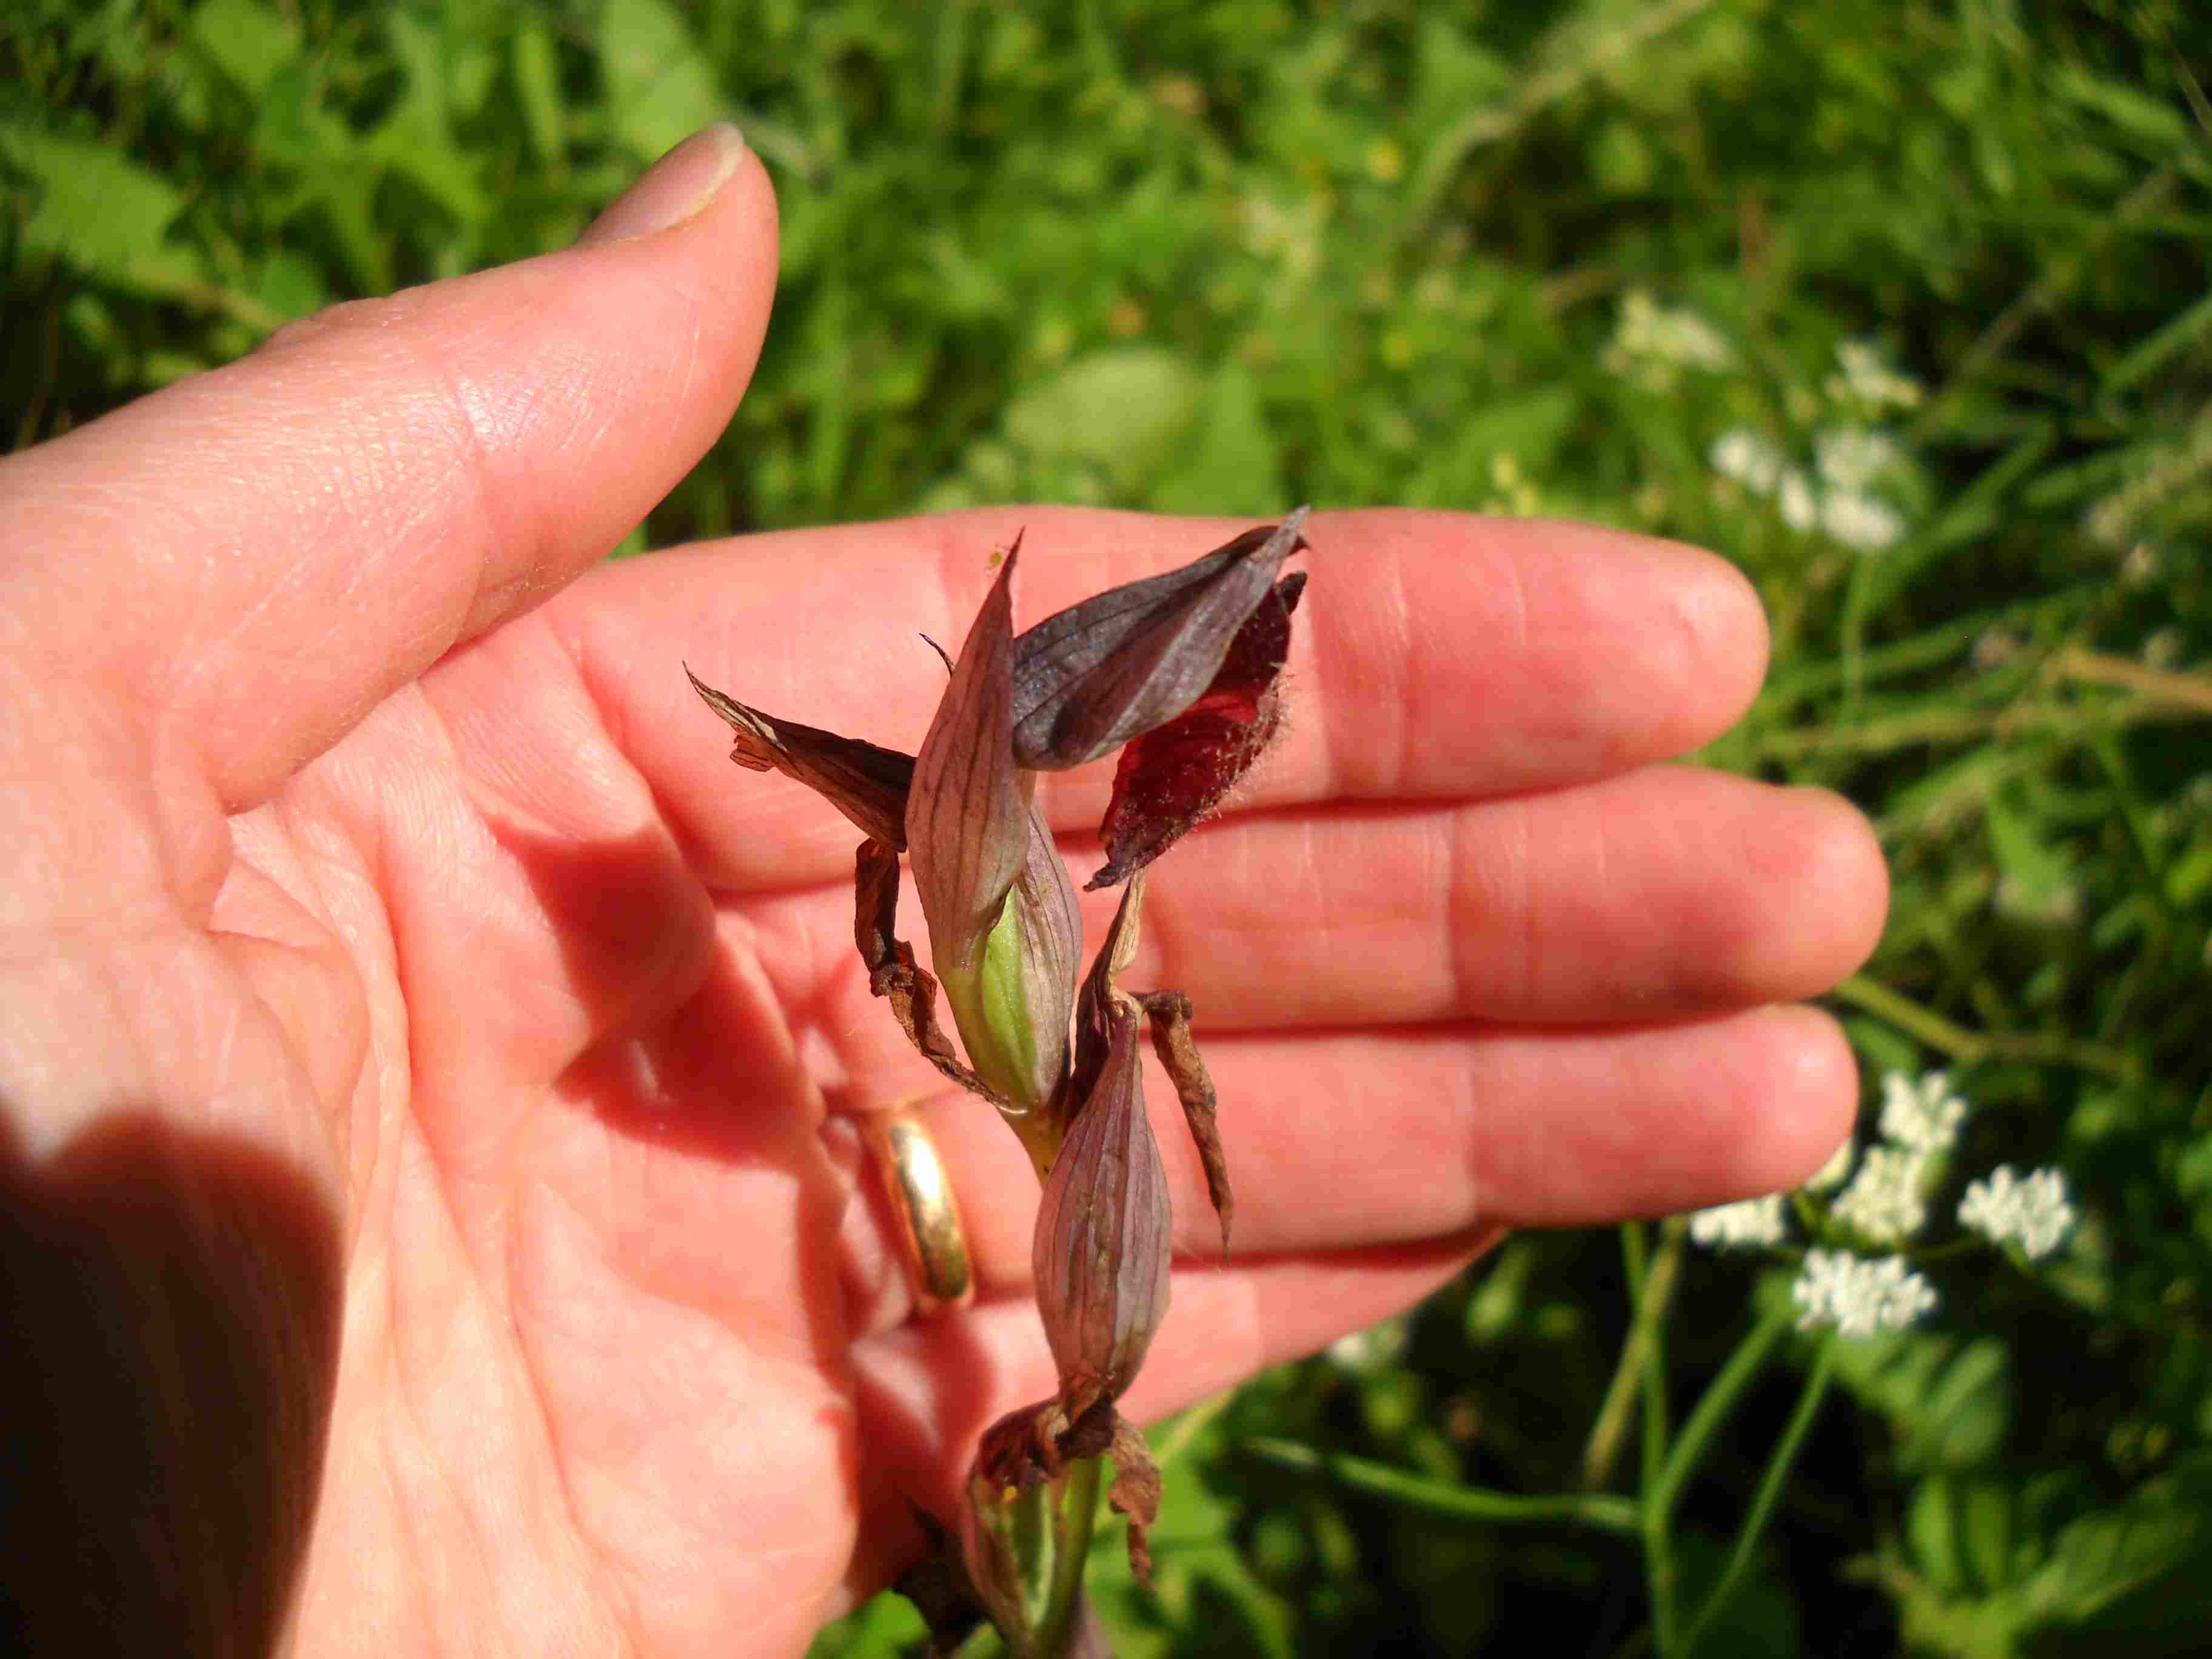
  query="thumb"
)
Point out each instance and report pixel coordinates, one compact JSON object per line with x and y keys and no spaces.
{"x":232,"y":571}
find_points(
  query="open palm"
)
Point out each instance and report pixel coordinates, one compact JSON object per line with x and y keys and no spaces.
{"x":429,"y":1066}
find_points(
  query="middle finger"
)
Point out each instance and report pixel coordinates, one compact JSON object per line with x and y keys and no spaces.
{"x":1668,"y":893}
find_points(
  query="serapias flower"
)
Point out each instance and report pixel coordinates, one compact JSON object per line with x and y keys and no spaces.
{"x":1859,"y":1297}
{"x":1179,"y":671}
{"x":1182,"y":668}
{"x":2031,"y":1212}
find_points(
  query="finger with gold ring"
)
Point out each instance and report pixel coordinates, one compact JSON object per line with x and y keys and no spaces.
{"x":924,"y":1216}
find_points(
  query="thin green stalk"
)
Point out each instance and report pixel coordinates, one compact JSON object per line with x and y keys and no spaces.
{"x":1763,"y":1501}
{"x":1967,"y":1046}
{"x":1073,"y":1517}
{"x":1605,"y":1511}
{"x":1651,"y":1293}
{"x":1655,"y":1289}
{"x":1711,"y":1411}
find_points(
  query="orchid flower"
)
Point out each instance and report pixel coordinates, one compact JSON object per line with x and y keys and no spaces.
{"x":1179,"y":672}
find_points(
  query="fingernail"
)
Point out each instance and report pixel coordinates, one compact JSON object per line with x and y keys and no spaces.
{"x":673,"y":189}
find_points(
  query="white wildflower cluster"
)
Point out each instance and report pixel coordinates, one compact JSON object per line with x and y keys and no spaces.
{"x":1753,"y":1221}
{"x":1924,"y":1115}
{"x":1862,"y":377}
{"x":2033,"y":1212}
{"x":1861,"y":521}
{"x":1887,"y":1202}
{"x":1857,"y":1296}
{"x":1752,"y":462}
{"x":1648,"y":330}
{"x":2057,"y":905}
{"x":1832,"y":1173}
{"x":1853,"y":456}
{"x":1844,"y":513}
{"x":1884,"y":1204}
{"x":1838,"y":497}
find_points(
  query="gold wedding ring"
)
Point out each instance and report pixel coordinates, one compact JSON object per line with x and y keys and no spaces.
{"x":924,"y":1216}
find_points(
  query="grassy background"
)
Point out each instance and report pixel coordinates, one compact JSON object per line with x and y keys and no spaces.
{"x":1535,"y":258}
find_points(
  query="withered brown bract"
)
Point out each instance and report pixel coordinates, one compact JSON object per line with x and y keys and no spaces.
{"x":867,"y":784}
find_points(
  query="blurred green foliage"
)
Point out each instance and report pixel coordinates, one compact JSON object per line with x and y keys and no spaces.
{"x":1906,"y":309}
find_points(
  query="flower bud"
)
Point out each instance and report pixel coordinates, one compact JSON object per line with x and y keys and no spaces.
{"x":1174,"y":775}
{"x":967,"y":814}
{"x":1104,"y":1236}
{"x":1003,"y":923}
{"x":1095,"y":675}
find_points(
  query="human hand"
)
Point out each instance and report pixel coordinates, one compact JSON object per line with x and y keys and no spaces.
{"x":429,"y":1066}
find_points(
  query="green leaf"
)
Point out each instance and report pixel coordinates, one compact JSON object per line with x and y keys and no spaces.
{"x":1229,"y":465}
{"x":884,"y":1624}
{"x":660,"y":87}
{"x":537,"y":91}
{"x":1447,"y":1499}
{"x":2142,"y":1568}
{"x":417,"y":139}
{"x":101,"y":212}
{"x":1950,"y":1397}
{"x":247,"y":42}
{"x":1201,"y":1583}
{"x":2158,"y":126}
{"x":2037,"y":872}
{"x":1126,"y":412}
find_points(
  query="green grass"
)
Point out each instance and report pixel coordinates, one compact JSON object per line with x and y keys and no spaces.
{"x":1229,"y":256}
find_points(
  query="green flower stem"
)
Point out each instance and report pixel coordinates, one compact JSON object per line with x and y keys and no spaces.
{"x":1075,"y":1516}
{"x":1602,"y":1510}
{"x":1967,"y":1048}
{"x":1653,"y":1288}
{"x":1650,"y":1292}
{"x":1711,"y":1411}
{"x":1763,"y":1501}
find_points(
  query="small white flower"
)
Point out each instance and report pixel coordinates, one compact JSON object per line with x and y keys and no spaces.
{"x":1852,"y":457}
{"x":1862,"y":374}
{"x":1832,"y":1173}
{"x":1742,"y":454}
{"x":1370,"y":1350}
{"x":1922,"y":1115}
{"x":1861,"y":521}
{"x":2058,"y":906}
{"x":2034,"y":1213}
{"x":1883,"y":1203}
{"x":1647,"y":329}
{"x":1750,"y":1221}
{"x":1799,"y":510}
{"x":1859,"y":1297}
